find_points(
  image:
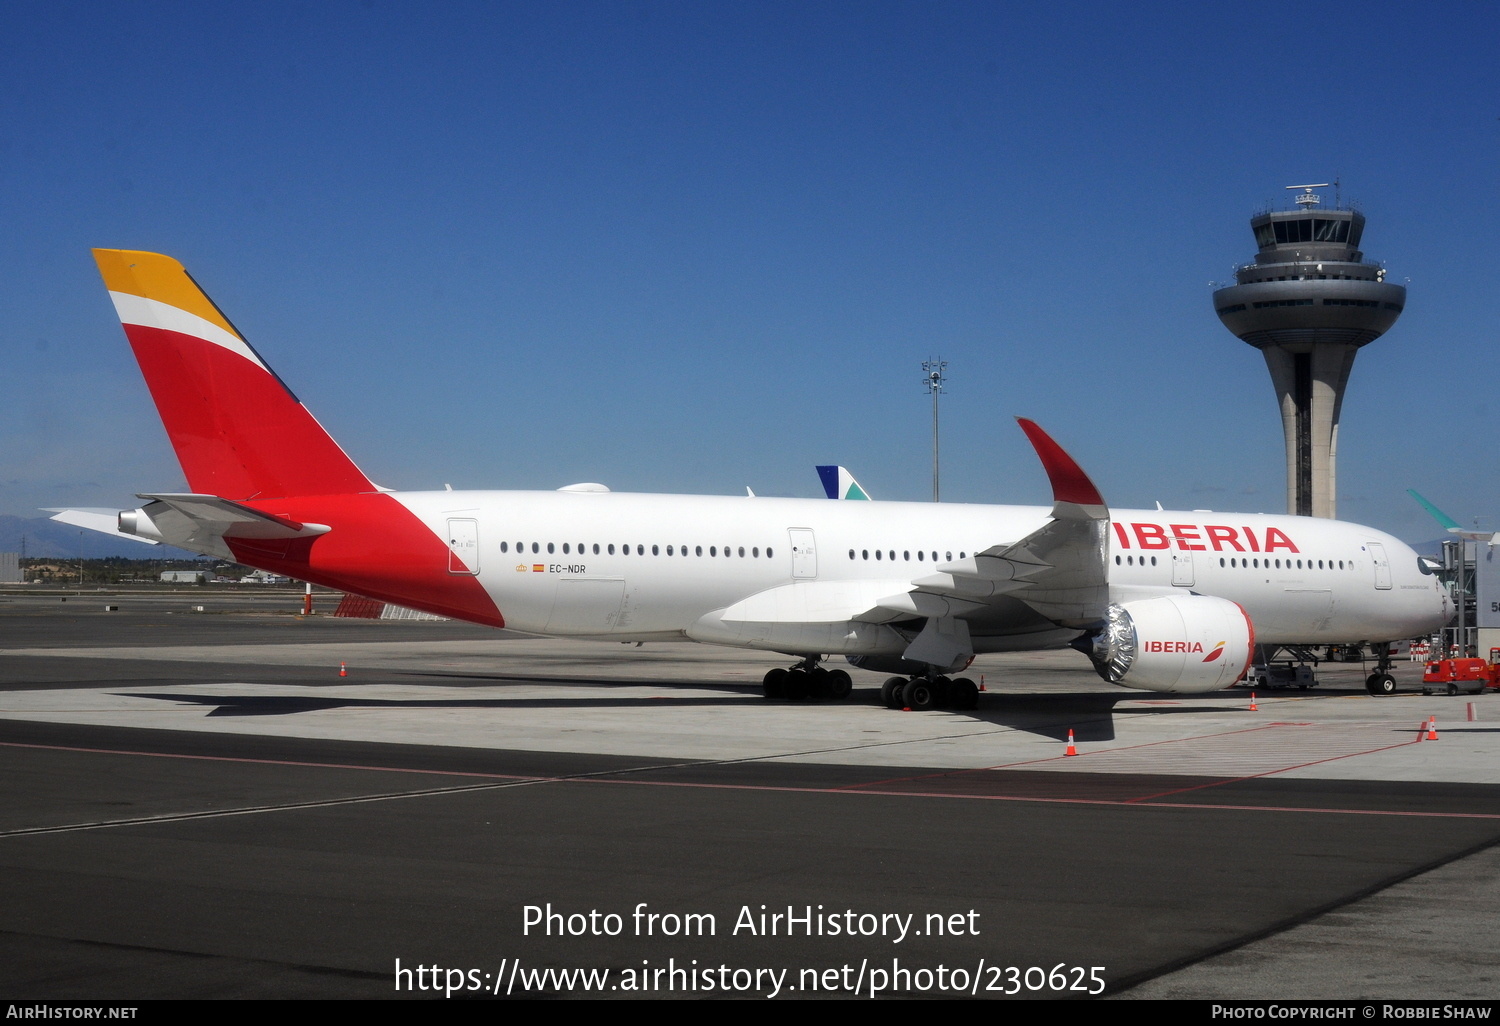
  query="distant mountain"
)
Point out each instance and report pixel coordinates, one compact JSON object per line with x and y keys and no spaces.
{"x":49,"y":539}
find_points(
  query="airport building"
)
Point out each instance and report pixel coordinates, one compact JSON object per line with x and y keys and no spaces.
{"x":1308,"y":303}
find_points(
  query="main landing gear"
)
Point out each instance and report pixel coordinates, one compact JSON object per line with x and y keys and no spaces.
{"x":930,"y":693}
{"x":1381,"y":682}
{"x":807,"y":680}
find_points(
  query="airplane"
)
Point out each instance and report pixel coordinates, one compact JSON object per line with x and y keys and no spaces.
{"x":838,"y":483}
{"x":1155,"y":599}
{"x":1452,"y":526}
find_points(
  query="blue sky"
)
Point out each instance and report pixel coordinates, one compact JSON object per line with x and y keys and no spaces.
{"x":698,"y":246}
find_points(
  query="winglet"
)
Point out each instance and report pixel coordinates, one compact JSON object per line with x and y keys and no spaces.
{"x":1069,"y":483}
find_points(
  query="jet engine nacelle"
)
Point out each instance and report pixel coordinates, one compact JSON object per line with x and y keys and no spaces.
{"x":1174,"y":643}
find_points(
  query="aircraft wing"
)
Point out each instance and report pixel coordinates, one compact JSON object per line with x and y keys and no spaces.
{"x":1058,"y":569}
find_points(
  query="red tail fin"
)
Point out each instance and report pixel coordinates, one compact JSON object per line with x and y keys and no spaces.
{"x":238,"y":431}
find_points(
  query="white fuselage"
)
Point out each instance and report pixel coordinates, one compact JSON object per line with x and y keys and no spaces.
{"x":639,"y":566}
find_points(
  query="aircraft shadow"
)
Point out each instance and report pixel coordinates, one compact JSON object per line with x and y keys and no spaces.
{"x":1089,"y":715}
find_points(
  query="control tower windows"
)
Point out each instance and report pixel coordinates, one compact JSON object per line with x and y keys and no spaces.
{"x":1305,"y":229}
{"x":1329,"y":230}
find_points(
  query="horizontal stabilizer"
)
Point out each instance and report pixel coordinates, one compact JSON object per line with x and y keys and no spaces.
{"x":230,"y":519}
{"x":105,"y":521}
{"x":200,"y":523}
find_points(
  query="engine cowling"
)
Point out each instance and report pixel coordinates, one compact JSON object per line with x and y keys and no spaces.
{"x":1187,"y":643}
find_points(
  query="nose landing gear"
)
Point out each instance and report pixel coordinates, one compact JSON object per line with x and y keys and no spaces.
{"x":1381,"y":682}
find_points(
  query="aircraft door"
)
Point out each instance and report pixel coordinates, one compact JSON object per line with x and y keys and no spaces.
{"x":804,"y":553}
{"x":1382,"y":566}
{"x":463,"y":547}
{"x":1182,"y":569}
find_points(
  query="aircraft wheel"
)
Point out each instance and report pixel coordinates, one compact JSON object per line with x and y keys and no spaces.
{"x":774,"y":682}
{"x":798,"y":684}
{"x":921,"y":694}
{"x":839,"y":684}
{"x":819,"y":685}
{"x":891,"y":692}
{"x":965,"y":694}
{"x":1381,"y":684}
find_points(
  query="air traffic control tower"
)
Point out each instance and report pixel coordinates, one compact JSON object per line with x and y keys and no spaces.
{"x":1308,"y":303}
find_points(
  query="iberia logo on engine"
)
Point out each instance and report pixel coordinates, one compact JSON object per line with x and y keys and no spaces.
{"x":1186,"y":647}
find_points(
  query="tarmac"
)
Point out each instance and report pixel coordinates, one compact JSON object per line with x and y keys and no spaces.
{"x":199,"y":804}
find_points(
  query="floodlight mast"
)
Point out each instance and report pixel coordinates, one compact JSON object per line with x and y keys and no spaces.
{"x":934,"y":375}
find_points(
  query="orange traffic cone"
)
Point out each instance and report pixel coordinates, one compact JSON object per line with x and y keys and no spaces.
{"x":343,"y":671}
{"x":1072,"y":748}
{"x":1253,"y":706}
{"x":1432,"y":728}
{"x":981,"y":682}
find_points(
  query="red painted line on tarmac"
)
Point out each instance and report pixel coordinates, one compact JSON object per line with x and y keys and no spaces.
{"x":1271,"y":773}
{"x":268,"y":762}
{"x":846,"y":790}
{"x":1059,"y":758}
{"x":1118,"y":804}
